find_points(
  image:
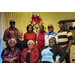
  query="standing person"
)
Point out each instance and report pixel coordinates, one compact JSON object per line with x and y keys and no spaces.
{"x":49,"y":34}
{"x":30,"y":35}
{"x":21,"y":41}
{"x":11,"y":54}
{"x":11,"y":32}
{"x":40,"y":39}
{"x":30,"y":54}
{"x":65,"y":39}
{"x":66,"y":26}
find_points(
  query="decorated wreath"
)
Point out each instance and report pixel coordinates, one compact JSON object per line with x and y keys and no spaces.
{"x":36,"y":22}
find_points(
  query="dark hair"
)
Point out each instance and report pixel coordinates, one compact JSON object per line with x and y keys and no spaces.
{"x":54,"y":39}
{"x":28,"y":27}
{"x":61,"y":22}
{"x":42,"y":26}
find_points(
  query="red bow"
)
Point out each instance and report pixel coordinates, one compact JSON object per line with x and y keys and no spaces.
{"x":36,"y":19}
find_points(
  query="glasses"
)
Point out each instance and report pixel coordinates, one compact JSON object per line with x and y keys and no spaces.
{"x":50,"y":27}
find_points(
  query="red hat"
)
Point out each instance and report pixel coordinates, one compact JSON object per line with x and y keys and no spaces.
{"x":50,"y":25}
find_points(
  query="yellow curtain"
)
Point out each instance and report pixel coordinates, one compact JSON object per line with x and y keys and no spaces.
{"x":22,"y":19}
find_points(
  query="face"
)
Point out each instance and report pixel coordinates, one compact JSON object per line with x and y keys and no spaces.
{"x":50,"y":29}
{"x":51,"y":43}
{"x":12,"y":25}
{"x":12,"y":44}
{"x":61,"y":25}
{"x":30,"y":29}
{"x":30,"y":45}
{"x":41,"y":28}
{"x":20,"y":34}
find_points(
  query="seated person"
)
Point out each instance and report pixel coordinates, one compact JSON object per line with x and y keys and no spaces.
{"x":30,"y":54}
{"x":11,"y":54}
{"x":51,"y":52}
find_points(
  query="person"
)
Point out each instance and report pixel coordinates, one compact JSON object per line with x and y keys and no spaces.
{"x":49,"y":34}
{"x":49,"y":53}
{"x":30,"y":54}
{"x":30,"y":35}
{"x":11,"y":32}
{"x":66,"y":26}
{"x":21,"y":41}
{"x":40,"y":39}
{"x":11,"y":54}
{"x":65,"y":39}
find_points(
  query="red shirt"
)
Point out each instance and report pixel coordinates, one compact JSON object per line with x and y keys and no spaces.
{"x":10,"y":33}
{"x":40,"y":40}
{"x":34,"y":55}
{"x":31,"y":37}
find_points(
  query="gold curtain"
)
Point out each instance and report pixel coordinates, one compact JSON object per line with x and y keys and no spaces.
{"x":22,"y":19}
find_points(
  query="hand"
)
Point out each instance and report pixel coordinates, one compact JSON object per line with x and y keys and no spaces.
{"x":25,"y":62}
{"x":67,"y":51}
{"x":11,"y":60}
{"x":57,"y":61}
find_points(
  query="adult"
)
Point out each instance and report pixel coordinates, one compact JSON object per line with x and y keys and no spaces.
{"x":11,"y":32}
{"x":30,"y":54}
{"x":49,"y":53}
{"x":30,"y":35}
{"x":21,"y":41}
{"x":49,"y":34}
{"x":11,"y":54}
{"x":65,"y":39}
{"x":41,"y":38}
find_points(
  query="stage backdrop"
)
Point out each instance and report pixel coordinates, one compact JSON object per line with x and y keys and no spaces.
{"x":22,"y":19}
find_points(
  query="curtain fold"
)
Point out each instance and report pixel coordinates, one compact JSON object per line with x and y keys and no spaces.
{"x":22,"y":19}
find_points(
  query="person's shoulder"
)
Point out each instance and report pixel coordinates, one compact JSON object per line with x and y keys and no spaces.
{"x":25,"y":33}
{"x":34,"y":33}
{"x":55,"y":34}
{"x":58,"y":31}
{"x":46,"y":33}
{"x":16,"y":28}
{"x":67,"y":30}
{"x":25,"y":49}
{"x":7,"y":29}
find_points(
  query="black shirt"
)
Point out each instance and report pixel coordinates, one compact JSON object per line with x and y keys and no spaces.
{"x":28,"y":57}
{"x":21,"y":44}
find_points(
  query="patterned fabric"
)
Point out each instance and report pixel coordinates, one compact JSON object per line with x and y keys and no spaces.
{"x":8,"y":53}
{"x":64,"y":37}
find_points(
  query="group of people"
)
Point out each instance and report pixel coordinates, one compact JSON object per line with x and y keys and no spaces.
{"x":49,"y":48}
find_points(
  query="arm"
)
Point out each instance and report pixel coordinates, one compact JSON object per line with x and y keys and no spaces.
{"x":61,"y":54}
{"x":5,"y":37}
{"x":36,"y":56}
{"x":69,"y":45}
{"x":23,"y":57}
{"x":70,"y":38}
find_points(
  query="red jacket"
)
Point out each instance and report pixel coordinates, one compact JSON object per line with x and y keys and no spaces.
{"x":34,"y":55}
{"x":10,"y":33}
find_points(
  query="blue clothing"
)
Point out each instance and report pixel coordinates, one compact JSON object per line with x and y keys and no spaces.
{"x":48,"y":36}
{"x":47,"y":55}
{"x":52,"y":33}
